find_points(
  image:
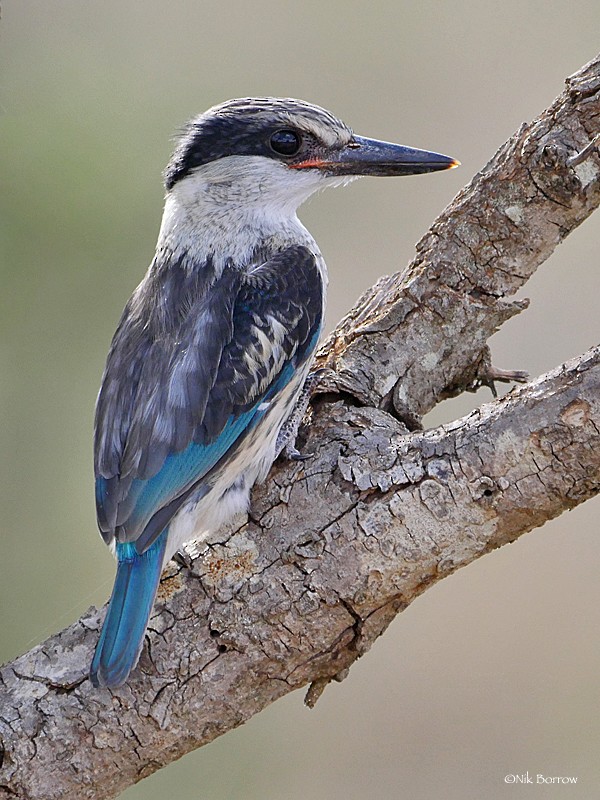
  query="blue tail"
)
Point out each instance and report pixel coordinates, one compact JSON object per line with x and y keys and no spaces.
{"x":122,"y":637}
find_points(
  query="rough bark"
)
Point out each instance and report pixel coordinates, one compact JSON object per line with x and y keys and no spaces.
{"x":337,"y":545}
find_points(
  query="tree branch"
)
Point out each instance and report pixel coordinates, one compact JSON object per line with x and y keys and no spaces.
{"x":337,"y":545}
{"x":418,"y":336}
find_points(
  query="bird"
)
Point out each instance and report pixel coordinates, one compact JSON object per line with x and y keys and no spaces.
{"x":208,"y":373}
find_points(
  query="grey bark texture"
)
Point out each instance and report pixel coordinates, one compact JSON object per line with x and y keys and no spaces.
{"x":337,"y":545}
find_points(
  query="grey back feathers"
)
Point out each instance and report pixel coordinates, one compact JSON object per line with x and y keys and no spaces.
{"x":193,"y":351}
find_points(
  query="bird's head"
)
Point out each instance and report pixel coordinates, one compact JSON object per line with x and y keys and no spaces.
{"x":278,"y":152}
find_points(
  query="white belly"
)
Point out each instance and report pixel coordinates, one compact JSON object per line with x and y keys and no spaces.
{"x":203,"y":515}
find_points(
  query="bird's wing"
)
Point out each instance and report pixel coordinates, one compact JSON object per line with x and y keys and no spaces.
{"x":175,"y":400}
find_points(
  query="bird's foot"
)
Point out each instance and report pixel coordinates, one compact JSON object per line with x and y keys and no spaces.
{"x":286,"y":439}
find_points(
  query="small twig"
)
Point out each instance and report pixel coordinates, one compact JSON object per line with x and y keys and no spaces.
{"x":493,"y":375}
{"x":578,"y":158}
{"x":488,"y":375}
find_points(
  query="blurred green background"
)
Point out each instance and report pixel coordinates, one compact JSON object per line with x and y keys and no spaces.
{"x":494,"y":670}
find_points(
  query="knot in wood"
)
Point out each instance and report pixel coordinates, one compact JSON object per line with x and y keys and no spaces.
{"x":484,"y":488}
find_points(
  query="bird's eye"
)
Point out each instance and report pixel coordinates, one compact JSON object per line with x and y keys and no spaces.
{"x":285,"y":142}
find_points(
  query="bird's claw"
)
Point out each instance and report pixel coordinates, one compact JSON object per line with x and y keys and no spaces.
{"x":183,"y":558}
{"x":291,"y":453}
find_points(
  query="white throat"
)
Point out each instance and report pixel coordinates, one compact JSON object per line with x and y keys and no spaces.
{"x":227,"y":207}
